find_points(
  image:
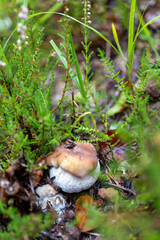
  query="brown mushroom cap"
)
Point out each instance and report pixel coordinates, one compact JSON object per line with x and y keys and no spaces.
{"x":78,"y":160}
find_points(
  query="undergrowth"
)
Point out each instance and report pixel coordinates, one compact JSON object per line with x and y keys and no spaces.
{"x":19,"y":227}
{"x":31,"y":126}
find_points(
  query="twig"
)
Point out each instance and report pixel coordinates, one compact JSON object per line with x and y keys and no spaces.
{"x":123,"y":188}
{"x":110,"y":175}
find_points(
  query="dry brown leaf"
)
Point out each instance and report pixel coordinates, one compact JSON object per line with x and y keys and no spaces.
{"x":82,"y":205}
{"x":115,"y":147}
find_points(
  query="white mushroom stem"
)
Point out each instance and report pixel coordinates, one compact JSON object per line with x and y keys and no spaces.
{"x":70,"y":183}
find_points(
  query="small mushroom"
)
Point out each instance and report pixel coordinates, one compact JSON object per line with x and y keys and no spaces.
{"x":47,"y":198}
{"x":57,"y":202}
{"x":45,"y":190}
{"x":72,"y":167}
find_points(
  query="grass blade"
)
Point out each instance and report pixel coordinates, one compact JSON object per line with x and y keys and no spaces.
{"x":146,"y":32}
{"x":74,"y":19}
{"x":5,"y":45}
{"x":117,"y":41}
{"x":25,"y":3}
{"x":2,"y":55}
{"x":50,"y":12}
{"x":78,"y":71}
{"x":143,"y":28}
{"x":131,"y":46}
{"x":63,"y":60}
{"x":131,"y":31}
{"x":91,"y":28}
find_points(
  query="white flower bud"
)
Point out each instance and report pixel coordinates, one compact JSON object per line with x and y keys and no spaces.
{"x":2,"y":64}
{"x":19,"y":41}
{"x":24,"y":9}
{"x":23,"y":36}
{"x":24,"y":28}
{"x":19,"y":25}
{"x":23,"y":15}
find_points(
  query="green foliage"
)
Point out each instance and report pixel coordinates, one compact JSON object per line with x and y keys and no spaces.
{"x":86,"y":44}
{"x":95,"y":134}
{"x":22,"y":227}
{"x":139,"y":99}
{"x":27,"y":121}
{"x":135,"y":218}
{"x":30,"y":127}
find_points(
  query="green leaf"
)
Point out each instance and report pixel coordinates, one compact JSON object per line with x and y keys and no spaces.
{"x":63,"y":60}
{"x":5,"y":45}
{"x":25,"y":3}
{"x":117,"y":42}
{"x":146,"y":31}
{"x":131,"y":28}
{"x":144,"y":27}
{"x":88,"y":26}
{"x":118,"y":106}
{"x":2,"y":55}
{"x":131,"y":45}
{"x":78,"y":71}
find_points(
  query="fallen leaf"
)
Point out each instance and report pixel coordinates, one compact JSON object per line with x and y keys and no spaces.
{"x":82,"y":205}
{"x":115,"y":148}
{"x":108,"y":194}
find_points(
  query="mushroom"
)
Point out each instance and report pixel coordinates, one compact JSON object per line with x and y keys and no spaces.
{"x":48,"y":198}
{"x":72,"y":166}
{"x":45,"y":190}
{"x":54,"y":201}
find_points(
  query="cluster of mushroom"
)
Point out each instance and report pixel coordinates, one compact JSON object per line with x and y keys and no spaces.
{"x":75,"y":167}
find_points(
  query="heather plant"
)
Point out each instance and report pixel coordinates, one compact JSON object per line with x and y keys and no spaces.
{"x":27,"y":120}
{"x":31,"y":126}
{"x":22,"y":228}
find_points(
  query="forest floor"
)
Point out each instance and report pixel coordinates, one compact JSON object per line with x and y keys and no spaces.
{"x":18,"y":187}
